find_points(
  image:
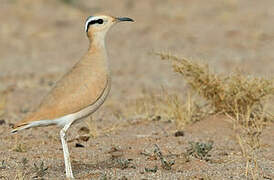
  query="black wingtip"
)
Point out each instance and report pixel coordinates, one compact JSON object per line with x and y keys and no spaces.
{"x":14,"y":131}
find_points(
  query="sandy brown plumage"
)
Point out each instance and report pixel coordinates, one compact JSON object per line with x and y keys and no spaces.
{"x":78,"y":89}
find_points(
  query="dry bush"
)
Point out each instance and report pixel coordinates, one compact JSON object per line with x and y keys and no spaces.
{"x":233,"y":95}
{"x":242,"y":98}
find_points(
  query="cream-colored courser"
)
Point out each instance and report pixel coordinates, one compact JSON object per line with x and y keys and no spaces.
{"x":81,"y":91}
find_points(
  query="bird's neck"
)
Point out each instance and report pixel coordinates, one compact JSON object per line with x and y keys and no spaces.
{"x":98,"y":54}
{"x":97,"y":40}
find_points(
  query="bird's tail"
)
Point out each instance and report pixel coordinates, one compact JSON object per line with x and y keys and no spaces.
{"x":27,"y":125}
{"x":19,"y":127}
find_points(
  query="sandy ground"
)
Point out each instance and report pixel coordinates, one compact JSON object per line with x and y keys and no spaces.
{"x":40,"y":40}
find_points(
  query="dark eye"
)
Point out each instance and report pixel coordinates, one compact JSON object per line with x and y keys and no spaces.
{"x":100,"y":21}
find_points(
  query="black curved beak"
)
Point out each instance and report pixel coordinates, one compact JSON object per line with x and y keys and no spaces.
{"x":124,"y":19}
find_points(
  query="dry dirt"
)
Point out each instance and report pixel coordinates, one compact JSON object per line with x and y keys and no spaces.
{"x":40,"y":40}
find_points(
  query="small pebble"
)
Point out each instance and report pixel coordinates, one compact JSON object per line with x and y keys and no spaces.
{"x":2,"y":121}
{"x":79,"y":145}
{"x":84,"y":138}
{"x":83,"y":130}
{"x":11,"y":125}
{"x":179,"y":133}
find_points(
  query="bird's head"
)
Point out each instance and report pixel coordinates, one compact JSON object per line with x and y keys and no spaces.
{"x":100,"y":24}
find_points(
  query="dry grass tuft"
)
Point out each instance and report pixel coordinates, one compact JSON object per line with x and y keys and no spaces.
{"x":39,"y":171}
{"x":248,"y":135}
{"x":233,"y":95}
{"x":165,"y":106}
{"x":241,"y":98}
{"x":20,"y":148}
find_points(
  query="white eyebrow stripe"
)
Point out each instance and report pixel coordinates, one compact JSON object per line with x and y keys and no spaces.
{"x":89,"y":19}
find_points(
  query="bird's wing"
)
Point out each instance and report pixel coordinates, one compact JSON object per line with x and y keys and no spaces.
{"x":78,"y":89}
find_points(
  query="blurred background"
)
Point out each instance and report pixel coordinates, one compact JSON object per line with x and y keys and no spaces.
{"x":40,"y":40}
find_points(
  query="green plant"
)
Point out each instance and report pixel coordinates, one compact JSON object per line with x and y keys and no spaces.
{"x":200,"y":150}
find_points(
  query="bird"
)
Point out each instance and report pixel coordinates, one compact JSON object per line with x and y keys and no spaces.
{"x":81,"y":91}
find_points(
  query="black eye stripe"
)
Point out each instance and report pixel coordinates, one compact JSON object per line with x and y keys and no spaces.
{"x":98,"y":21}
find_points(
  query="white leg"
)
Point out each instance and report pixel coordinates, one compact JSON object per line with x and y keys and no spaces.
{"x":69,"y":173}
